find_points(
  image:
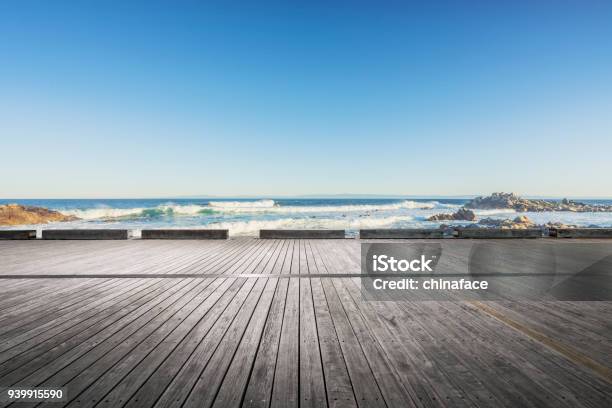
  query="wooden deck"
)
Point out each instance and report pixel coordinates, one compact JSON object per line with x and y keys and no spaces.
{"x":273,"y":323}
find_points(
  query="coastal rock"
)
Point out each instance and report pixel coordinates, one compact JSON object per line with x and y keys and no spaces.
{"x":461,"y":215}
{"x":564,"y":226}
{"x":15,"y":214}
{"x":520,"y":222}
{"x":515,"y":202}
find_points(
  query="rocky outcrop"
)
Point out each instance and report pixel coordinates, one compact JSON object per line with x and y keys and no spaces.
{"x":561,"y":225}
{"x":461,"y":215}
{"x":515,"y":202}
{"x":15,"y":214}
{"x":520,"y":222}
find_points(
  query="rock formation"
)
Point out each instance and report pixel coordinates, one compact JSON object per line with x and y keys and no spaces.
{"x":461,"y":215}
{"x":15,"y":214}
{"x":512,"y":201}
{"x":520,"y":222}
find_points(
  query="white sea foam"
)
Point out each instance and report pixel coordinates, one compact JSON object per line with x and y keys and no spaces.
{"x":242,"y":204}
{"x":406,"y":204}
{"x":112,"y":213}
{"x":245,"y":207}
{"x":102,"y":213}
{"x":495,"y":211}
{"x":252,"y":227}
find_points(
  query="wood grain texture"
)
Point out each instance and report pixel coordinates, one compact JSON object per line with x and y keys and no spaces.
{"x":278,"y":323}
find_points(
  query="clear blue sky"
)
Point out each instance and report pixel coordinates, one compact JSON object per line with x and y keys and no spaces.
{"x":142,"y":99}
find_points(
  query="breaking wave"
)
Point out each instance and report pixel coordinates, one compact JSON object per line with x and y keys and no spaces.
{"x":243,"y":204}
{"x":165,"y":210}
{"x":229,"y":207}
{"x":252,"y":227}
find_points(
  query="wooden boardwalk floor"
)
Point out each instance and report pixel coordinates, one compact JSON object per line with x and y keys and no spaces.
{"x":273,"y":323}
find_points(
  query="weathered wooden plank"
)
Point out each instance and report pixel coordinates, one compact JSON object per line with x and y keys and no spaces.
{"x":581,"y":232}
{"x":495,"y":233}
{"x":301,"y":234}
{"x":528,"y":372}
{"x":85,"y":234}
{"x":46,"y":352}
{"x":141,"y":342}
{"x":184,"y":234}
{"x":154,"y":314}
{"x":17,"y":234}
{"x":233,"y":387}
{"x":221,"y":383}
{"x":106,"y":373}
{"x":410,"y":378}
{"x":181,"y":386}
{"x":285,"y":392}
{"x":173,"y":380}
{"x":403,"y":233}
{"x":119,"y":332}
{"x":312,"y":382}
{"x":338,"y":385}
{"x":258,"y":391}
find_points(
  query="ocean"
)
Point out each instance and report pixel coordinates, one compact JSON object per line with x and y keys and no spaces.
{"x":245,"y":217}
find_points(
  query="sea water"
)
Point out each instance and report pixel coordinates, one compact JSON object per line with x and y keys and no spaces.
{"x":248,"y":216}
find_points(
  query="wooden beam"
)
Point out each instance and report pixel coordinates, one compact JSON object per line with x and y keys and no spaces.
{"x":581,"y":232}
{"x":494,"y":233}
{"x":184,"y":234}
{"x":18,"y":234}
{"x":85,"y":234}
{"x":404,"y":233}
{"x":301,"y":234}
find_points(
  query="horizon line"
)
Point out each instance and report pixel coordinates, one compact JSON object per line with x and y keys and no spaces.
{"x":303,"y":196}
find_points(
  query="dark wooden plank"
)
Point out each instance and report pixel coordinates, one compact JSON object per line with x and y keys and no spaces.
{"x":17,"y":234}
{"x":232,"y":390}
{"x":495,"y":233}
{"x":410,"y":379}
{"x":43,"y":353}
{"x":224,"y":384}
{"x":517,"y":382}
{"x":85,"y":234}
{"x":301,"y":234}
{"x":338,"y":384}
{"x":139,"y":323}
{"x":259,"y":389}
{"x":312,"y":382}
{"x":146,"y":383}
{"x":184,"y":234}
{"x":581,"y":232}
{"x":285,"y":392}
{"x":93,"y":383}
{"x":404,"y":233}
{"x":173,"y":380}
{"x":179,"y":389}
{"x":263,"y":341}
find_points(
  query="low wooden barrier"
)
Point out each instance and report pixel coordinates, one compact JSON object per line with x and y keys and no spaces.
{"x":301,"y":234}
{"x":85,"y":234}
{"x":495,"y":233}
{"x":581,"y":232}
{"x":184,"y":234}
{"x":17,"y":234}
{"x":404,"y":233}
